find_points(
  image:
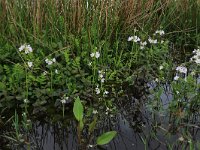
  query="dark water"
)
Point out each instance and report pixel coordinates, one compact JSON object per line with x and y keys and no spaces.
{"x":133,"y":122}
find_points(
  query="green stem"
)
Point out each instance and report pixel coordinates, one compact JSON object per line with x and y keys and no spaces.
{"x":26,"y":85}
{"x":63,"y":110}
{"x":51,"y":80}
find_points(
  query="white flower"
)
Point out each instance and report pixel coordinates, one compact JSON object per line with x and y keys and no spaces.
{"x":92,"y":55}
{"x":152,"y":41}
{"x":27,"y":48}
{"x":56,"y":71}
{"x":181,"y":139}
{"x":90,"y":64}
{"x":196,"y":57}
{"x":26,"y":101}
{"x":135,"y":30}
{"x":143,"y":43}
{"x":30,"y":64}
{"x":101,"y":72}
{"x":54,"y":60}
{"x":181,"y":69}
{"x":130,"y":38}
{"x":45,"y":72}
{"x":97,"y":54}
{"x":192,"y":73}
{"x":63,"y":101}
{"x":101,"y":76}
{"x":106,"y":92}
{"x":176,"y":78}
{"x":102,"y":80}
{"x":90,"y":146}
{"x":136,"y":39}
{"x":23,"y":114}
{"x":161,"y":32}
{"x":50,"y":61}
{"x":161,"y":67}
{"x":94,"y":111}
{"x":141,"y":47}
{"x":21,"y":48}
{"x":197,"y":61}
{"x":97,"y":90}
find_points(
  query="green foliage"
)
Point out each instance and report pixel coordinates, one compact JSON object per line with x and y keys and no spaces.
{"x":78,"y":109}
{"x":105,"y":138}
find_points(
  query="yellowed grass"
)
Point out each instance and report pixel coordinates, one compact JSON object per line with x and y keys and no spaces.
{"x":129,"y":12}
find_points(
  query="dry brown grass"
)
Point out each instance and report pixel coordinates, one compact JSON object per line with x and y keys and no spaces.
{"x":127,"y":13}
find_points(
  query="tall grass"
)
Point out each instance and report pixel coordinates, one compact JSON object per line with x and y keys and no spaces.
{"x":54,"y":21}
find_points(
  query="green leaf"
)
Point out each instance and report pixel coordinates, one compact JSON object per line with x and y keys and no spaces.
{"x":106,"y":137}
{"x":78,"y":109}
{"x":2,"y":86}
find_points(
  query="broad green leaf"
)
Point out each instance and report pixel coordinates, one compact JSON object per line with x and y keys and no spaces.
{"x":106,"y":137}
{"x":78,"y":109}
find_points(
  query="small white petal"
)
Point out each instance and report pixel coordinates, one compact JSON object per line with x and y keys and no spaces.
{"x":30,"y":64}
{"x":97,"y":54}
{"x":92,"y":55}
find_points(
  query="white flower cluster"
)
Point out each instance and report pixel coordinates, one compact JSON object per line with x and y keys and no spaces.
{"x":95,"y":112}
{"x":64,"y":99}
{"x":107,"y":110}
{"x":137,"y":39}
{"x":30,"y":64}
{"x":196,"y":57}
{"x":152,"y":41}
{"x":180,"y":69}
{"x":176,"y":77}
{"x":97,"y":90}
{"x":95,"y":54}
{"x":50,"y":61}
{"x":134,"y":38}
{"x":101,"y":76}
{"x":26,"y":48}
{"x":142,"y":44}
{"x":160,"y":32}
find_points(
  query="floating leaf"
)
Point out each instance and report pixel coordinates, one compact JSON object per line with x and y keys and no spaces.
{"x":78,"y":109}
{"x":106,"y":137}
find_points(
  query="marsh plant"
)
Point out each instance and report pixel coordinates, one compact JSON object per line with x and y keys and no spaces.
{"x":103,"y":139}
{"x":52,"y":52}
{"x":182,"y":109}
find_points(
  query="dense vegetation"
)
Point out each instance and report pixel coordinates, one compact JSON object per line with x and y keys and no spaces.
{"x":100,"y":52}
